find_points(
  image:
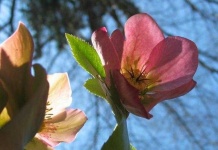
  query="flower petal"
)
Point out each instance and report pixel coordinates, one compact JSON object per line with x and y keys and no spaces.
{"x":142,"y":35}
{"x":19,"y":46}
{"x":185,"y":88}
{"x":117,"y":39}
{"x":173,"y":62}
{"x":106,"y":50}
{"x":129,"y":96}
{"x":66,"y":129}
{"x":59,"y":93}
{"x":20,"y":130}
{"x":15,"y":61}
{"x":164,"y":95}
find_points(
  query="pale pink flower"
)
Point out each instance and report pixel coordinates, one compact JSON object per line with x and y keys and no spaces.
{"x":61,"y":124}
{"x":22,"y":96}
{"x":23,"y":99}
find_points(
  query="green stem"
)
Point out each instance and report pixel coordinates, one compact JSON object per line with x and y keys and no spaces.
{"x":125,"y":135}
{"x":119,"y":139}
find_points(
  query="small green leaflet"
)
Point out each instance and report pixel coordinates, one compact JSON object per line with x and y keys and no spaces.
{"x":85,"y":55}
{"x":93,"y":86}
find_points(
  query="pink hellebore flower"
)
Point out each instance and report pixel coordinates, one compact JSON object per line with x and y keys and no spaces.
{"x":146,"y":67}
{"x":60,"y":124}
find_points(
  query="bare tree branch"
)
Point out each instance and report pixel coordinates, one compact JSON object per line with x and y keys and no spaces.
{"x":11,"y":20}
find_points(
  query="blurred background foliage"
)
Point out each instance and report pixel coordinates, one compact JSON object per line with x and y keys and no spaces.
{"x":188,"y":122}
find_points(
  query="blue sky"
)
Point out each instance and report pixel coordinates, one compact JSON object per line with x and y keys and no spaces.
{"x":189,"y":122}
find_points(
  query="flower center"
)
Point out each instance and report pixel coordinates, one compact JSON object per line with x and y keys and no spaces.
{"x":138,"y":77}
{"x":47,"y":110}
{"x":47,"y":129}
{"x":135,"y":77}
{"x":47,"y":116}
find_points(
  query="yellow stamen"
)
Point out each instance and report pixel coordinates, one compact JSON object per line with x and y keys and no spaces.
{"x":47,"y":117}
{"x":138,"y":78}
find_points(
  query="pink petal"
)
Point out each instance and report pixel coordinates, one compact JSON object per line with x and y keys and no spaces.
{"x":66,"y":129}
{"x":15,"y":61}
{"x":106,"y":50}
{"x":142,"y":35}
{"x":19,"y":46}
{"x":173,"y":62}
{"x":60,"y":93}
{"x":129,"y":96}
{"x":159,"y":96}
{"x":24,"y":125}
{"x":117,"y":39}
{"x":179,"y":91}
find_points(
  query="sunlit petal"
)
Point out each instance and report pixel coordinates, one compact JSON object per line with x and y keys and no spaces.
{"x":60,"y":93}
{"x":142,"y":34}
{"x":15,"y":62}
{"x":64,"y":130}
{"x":156,"y":97}
{"x":19,"y":46}
{"x":173,"y":62}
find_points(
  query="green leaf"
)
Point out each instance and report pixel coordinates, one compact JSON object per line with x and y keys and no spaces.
{"x":86,"y":56}
{"x":119,"y":139}
{"x":94,"y":86}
